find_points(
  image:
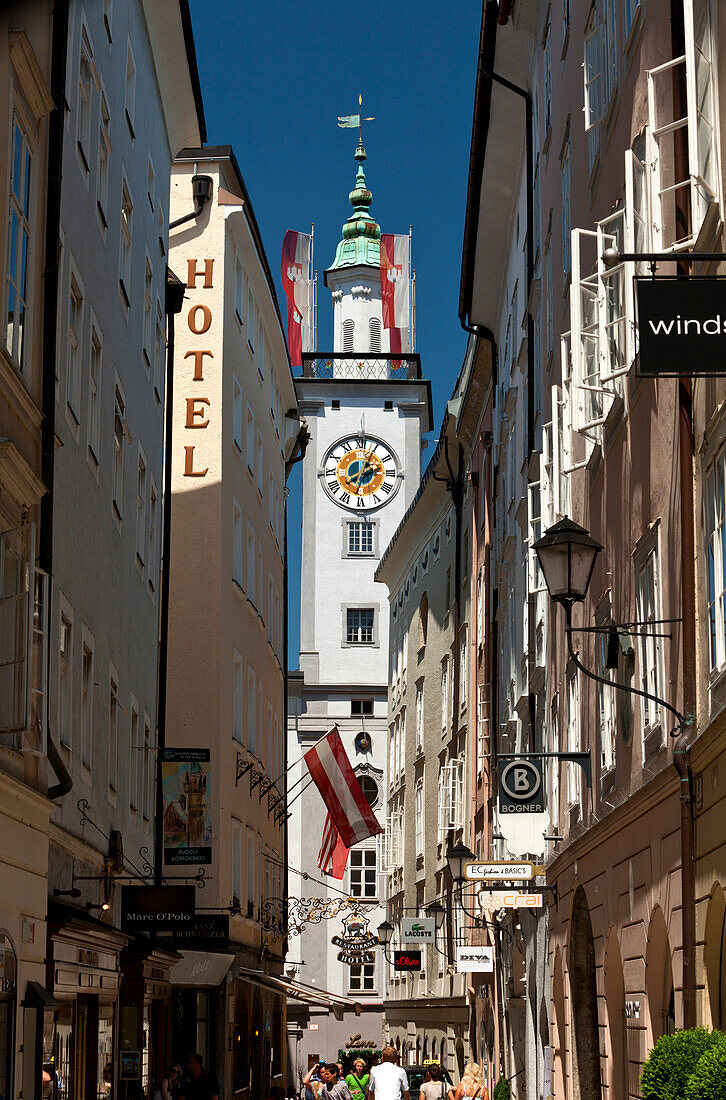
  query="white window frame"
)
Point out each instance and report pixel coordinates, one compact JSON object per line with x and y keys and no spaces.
{"x":18,"y":281}
{"x":714,"y":519}
{"x":76,"y":335}
{"x":419,"y":717}
{"x":651,"y":675}
{"x":419,"y":811}
{"x":573,"y":735}
{"x":359,"y":873}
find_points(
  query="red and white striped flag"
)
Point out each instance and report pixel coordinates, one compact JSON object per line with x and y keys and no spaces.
{"x":295,"y":275}
{"x":333,"y":855}
{"x":395,"y":286}
{"x":338,"y":784}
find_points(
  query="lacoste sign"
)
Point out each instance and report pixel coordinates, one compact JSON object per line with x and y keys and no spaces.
{"x":681,"y":326}
{"x":418,"y":930}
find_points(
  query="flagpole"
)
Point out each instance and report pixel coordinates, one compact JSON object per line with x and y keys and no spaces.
{"x":411,"y":338}
{"x":413,"y":308}
{"x":301,"y":758}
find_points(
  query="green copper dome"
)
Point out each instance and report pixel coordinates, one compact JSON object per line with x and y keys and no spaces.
{"x":361,"y":243}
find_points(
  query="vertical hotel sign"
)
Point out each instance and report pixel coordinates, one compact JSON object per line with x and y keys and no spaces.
{"x":187,"y":806}
{"x":199,"y":320}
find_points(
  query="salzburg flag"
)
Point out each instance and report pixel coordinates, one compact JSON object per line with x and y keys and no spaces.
{"x":333,"y":855}
{"x":338,"y":784}
{"x":395,"y":289}
{"x":295,"y":275}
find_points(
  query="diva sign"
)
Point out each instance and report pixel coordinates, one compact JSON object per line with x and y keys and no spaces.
{"x":681,"y":326}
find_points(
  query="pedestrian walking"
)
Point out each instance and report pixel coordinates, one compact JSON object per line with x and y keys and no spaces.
{"x":198,"y":1083}
{"x":329,"y":1075}
{"x":169,"y":1084}
{"x":471,"y":1085}
{"x":435,"y":1087}
{"x":388,"y":1081}
{"x":358,"y":1078}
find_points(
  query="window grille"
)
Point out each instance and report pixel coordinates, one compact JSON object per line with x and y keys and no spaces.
{"x":360,"y":538}
{"x":374,"y":335}
{"x":359,"y":625}
{"x":363,"y":874}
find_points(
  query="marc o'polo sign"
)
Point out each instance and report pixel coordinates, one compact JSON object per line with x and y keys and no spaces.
{"x":681,"y":326}
{"x":156,"y":908}
{"x":521,"y":789}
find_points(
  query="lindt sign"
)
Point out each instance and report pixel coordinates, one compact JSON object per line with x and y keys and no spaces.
{"x":681,"y":326}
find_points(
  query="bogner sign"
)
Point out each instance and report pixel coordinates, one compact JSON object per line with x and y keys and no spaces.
{"x":520,"y":786}
{"x":681,"y":326}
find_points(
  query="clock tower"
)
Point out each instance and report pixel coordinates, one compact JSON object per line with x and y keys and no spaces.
{"x":367,"y":410}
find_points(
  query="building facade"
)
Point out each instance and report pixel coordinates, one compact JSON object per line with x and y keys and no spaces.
{"x":357,"y":399}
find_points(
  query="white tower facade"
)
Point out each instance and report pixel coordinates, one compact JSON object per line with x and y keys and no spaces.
{"x":367,"y":413}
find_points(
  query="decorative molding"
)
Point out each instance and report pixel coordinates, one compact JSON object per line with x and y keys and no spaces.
{"x":17,"y":396}
{"x":17,"y":476}
{"x":336,"y":295}
{"x":30,"y":75}
{"x":360,"y":291}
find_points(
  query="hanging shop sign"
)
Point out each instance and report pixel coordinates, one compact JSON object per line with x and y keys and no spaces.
{"x":499,"y":870}
{"x":356,"y":941}
{"x":406,"y":960}
{"x":187,"y":793}
{"x":156,"y":908}
{"x":491,"y":900}
{"x":681,"y":326}
{"x":474,"y":960}
{"x":418,"y":930}
{"x":521,"y":790}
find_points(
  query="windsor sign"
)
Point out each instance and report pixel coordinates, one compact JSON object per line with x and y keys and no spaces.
{"x":681,"y":326}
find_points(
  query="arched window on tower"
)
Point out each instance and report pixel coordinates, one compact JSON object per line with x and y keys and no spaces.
{"x":375,"y":335}
{"x":348,"y":328}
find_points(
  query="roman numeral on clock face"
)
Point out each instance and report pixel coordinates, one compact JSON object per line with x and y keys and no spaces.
{"x":345,"y":498}
{"x":333,"y":484}
{"x":386,"y":488}
{"x":360,"y":503}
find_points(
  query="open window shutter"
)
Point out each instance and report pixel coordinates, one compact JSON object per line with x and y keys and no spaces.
{"x":594,"y":62}
{"x":556,"y":443}
{"x":17,"y":594}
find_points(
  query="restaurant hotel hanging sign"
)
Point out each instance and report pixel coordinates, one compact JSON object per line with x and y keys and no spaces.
{"x":681,"y":326}
{"x":356,"y":941}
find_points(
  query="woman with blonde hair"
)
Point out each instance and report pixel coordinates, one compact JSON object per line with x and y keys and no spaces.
{"x":471,"y":1085}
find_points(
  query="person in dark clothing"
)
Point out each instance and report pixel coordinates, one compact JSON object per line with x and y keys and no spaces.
{"x":198,"y":1083}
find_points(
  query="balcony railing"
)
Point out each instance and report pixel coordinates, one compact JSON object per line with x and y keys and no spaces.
{"x":351,"y":367}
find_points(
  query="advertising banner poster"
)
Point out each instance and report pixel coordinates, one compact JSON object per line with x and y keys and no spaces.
{"x":187,"y":794}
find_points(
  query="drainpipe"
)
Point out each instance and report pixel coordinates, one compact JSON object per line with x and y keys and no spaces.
{"x":681,"y":749}
{"x":455,"y":486}
{"x":173,"y":302}
{"x":50,"y":324}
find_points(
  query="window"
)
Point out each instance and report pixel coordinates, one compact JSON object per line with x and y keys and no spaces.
{"x":631,"y":10}
{"x":127,"y":213}
{"x":65,"y":680}
{"x":237,"y":544}
{"x":251,"y":711}
{"x":236,"y":860}
{"x":148,"y":314}
{"x":151,"y":184}
{"x":114,"y":707}
{"x":573,"y":738}
{"x":118,"y":451}
{"x":19,"y":244}
{"x":419,"y":818}
{"x":86,"y":702}
{"x":251,"y":560}
{"x":647,"y":594}
{"x":239,"y":290}
{"x":251,"y":319}
{"x":260,"y":463}
{"x":348,"y":329}
{"x":566,"y":216}
{"x":130,"y":101}
{"x":134,"y":753}
{"x":682,"y":117}
{"x":360,"y":537}
{"x":444,"y":694}
{"x":374,"y":343}
{"x":363,"y":978}
{"x":423,"y":620}
{"x":104,"y":154}
{"x":17,"y":607}
{"x":237,"y":704}
{"x":715,"y":523}
{"x":251,"y":868}
{"x":108,"y":17}
{"x":141,"y":509}
{"x":75,"y":348}
{"x":237,"y":413}
{"x":363,"y":880}
{"x":250,"y":440}
{"x":261,"y":350}
{"x":606,"y":705}
{"x":94,"y":395}
{"x":148,"y":776}
{"x":152,"y":561}
{"x":451,"y":796}
{"x":359,"y":625}
{"x":85,"y":91}
{"x":547,"y":76}
{"x":361,"y":707}
{"x":482,"y":728}
{"x":159,"y":349}
{"x":419,"y":717}
{"x":595,"y":90}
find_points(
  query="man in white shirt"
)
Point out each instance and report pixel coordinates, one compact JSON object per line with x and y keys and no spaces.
{"x":388,"y":1081}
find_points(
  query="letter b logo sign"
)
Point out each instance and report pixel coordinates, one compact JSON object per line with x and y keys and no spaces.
{"x":520,"y":786}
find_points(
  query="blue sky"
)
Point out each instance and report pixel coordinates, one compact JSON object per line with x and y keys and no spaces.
{"x":276,"y":75}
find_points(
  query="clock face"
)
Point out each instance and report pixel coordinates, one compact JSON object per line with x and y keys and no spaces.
{"x":360,"y":473}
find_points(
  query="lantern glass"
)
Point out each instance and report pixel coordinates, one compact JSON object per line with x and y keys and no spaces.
{"x":567,"y":555}
{"x":458,"y":858}
{"x":385,"y":932}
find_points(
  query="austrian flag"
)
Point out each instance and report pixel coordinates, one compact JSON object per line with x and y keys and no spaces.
{"x":338,"y":784}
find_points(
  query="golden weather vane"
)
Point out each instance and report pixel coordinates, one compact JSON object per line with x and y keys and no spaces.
{"x":349,"y":122}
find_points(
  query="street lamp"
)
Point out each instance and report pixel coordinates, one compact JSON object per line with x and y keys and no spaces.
{"x":385,"y":932}
{"x":438,"y":912}
{"x":567,"y":555}
{"x":458,"y":858}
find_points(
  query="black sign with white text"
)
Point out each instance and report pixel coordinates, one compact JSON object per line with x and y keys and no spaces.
{"x":681,"y":326}
{"x":406,"y":960}
{"x":521,"y":790}
{"x":159,"y":908}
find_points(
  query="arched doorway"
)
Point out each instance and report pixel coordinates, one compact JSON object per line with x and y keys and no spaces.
{"x":617,"y":1061}
{"x":425,"y":1048}
{"x":659,"y":979}
{"x":558,"y":1026}
{"x":8,"y":959}
{"x":460,"y":1059}
{"x":583,"y":996}
{"x":418,"y":1050}
{"x":434,"y":1049}
{"x":715,"y":956}
{"x":444,"y":1054}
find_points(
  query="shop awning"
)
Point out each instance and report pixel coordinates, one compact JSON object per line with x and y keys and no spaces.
{"x":295,"y":990}
{"x":202,"y":969}
{"x":37,"y":996}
